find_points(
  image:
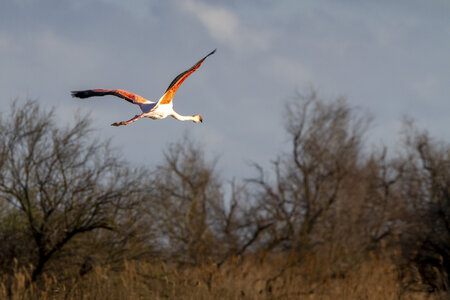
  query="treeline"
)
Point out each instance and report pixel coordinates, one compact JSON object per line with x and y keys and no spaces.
{"x":330,"y":205}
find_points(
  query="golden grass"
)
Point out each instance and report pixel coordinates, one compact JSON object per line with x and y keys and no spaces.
{"x":258,"y":277}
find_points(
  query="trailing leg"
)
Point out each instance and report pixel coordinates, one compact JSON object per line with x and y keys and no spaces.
{"x":136,"y":117}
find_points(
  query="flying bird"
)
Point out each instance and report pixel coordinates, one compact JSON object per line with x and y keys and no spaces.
{"x":150,"y":109}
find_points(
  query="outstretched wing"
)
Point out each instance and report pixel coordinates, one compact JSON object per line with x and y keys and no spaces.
{"x":175,"y":84}
{"x":128,"y":96}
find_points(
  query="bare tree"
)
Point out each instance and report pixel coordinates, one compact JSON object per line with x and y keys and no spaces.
{"x":185,"y":191}
{"x":425,"y":188}
{"x":326,"y":140}
{"x":379,"y":204}
{"x":195,"y":219}
{"x":60,"y":183}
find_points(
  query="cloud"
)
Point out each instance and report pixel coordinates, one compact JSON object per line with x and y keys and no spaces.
{"x":22,"y":3}
{"x":427,"y":87}
{"x":285,"y":69}
{"x":224,"y":25}
{"x":137,"y":8}
{"x":4,"y":42}
{"x":220,"y":22}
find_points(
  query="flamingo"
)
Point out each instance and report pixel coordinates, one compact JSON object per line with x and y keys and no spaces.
{"x":150,"y":109}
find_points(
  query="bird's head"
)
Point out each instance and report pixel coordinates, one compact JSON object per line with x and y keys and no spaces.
{"x":198,"y":118}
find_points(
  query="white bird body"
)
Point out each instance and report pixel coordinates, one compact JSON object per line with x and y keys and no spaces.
{"x":151,"y":111}
{"x":154,"y":110}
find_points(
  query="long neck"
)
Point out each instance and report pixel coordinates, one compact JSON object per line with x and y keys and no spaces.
{"x":182,"y":118}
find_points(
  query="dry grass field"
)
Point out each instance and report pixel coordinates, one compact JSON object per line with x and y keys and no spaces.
{"x":260,"y":277}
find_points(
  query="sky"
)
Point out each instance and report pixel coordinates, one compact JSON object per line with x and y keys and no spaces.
{"x":390,"y":58}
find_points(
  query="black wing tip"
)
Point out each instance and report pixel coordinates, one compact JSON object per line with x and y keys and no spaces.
{"x":80,"y":94}
{"x":211,"y":53}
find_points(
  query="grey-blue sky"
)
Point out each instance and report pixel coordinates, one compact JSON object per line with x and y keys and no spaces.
{"x":389,"y":57}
